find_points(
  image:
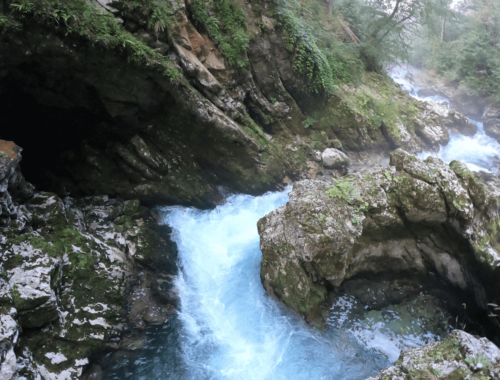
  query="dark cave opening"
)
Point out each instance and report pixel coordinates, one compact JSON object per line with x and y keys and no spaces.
{"x":51,"y":136}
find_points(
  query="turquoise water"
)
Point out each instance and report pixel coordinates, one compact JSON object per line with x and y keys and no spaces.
{"x":227,"y":327}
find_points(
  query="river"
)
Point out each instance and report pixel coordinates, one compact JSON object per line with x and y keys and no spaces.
{"x":226,"y":327}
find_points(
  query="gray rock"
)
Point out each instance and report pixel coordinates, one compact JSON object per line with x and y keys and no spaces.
{"x":67,"y":270}
{"x":460,"y":356}
{"x":9,"y":333}
{"x":334,"y":159}
{"x":491,"y":123}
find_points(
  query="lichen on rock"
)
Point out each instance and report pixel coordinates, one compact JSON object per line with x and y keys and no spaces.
{"x":460,"y":356}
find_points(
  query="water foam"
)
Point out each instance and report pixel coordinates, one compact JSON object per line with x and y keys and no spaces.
{"x":230,"y":328}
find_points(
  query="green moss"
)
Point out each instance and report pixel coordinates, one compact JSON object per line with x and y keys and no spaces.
{"x":311,"y":36}
{"x":14,"y":261}
{"x":374,"y":104}
{"x":17,"y":301}
{"x":61,"y":241}
{"x":226,"y":24}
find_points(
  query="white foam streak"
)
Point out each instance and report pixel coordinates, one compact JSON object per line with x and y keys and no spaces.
{"x":231,"y":328}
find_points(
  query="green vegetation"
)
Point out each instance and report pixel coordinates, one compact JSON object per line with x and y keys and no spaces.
{"x":98,"y":26}
{"x":344,"y":191}
{"x":159,"y":13}
{"x":479,"y":359}
{"x":308,"y":122}
{"x":375,"y":103}
{"x":315,"y":39}
{"x":469,"y":51}
{"x":225,"y":22}
{"x":383,"y":26}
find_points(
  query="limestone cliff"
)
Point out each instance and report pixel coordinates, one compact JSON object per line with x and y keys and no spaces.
{"x":67,"y":267}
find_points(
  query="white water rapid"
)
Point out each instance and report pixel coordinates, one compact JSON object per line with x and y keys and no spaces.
{"x":230,"y":328}
{"x":476,"y":151}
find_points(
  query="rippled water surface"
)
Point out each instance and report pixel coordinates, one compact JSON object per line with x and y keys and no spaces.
{"x":227,"y":327}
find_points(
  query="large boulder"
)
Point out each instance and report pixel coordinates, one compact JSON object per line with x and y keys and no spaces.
{"x":460,"y":356}
{"x":405,"y":220}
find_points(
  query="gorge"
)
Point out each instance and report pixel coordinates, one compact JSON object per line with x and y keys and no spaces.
{"x":156,"y":148}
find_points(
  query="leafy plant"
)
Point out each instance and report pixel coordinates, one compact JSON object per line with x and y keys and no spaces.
{"x":343,"y":190}
{"x":159,"y":13}
{"x":96,"y":25}
{"x":310,"y":36}
{"x":479,"y":359}
{"x":308,"y":122}
{"x":225,"y":22}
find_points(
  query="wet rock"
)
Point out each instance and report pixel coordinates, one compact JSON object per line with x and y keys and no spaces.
{"x":405,"y":220}
{"x":430,"y":128}
{"x":94,"y":372}
{"x":12,"y":184}
{"x":460,"y":356}
{"x":9,"y":332}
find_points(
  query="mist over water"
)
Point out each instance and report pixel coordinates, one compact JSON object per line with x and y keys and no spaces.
{"x":477,"y":151}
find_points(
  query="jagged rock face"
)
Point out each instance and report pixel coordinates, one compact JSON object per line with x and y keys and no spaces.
{"x":491,"y":118}
{"x":404,"y":220}
{"x":137,"y":135}
{"x":12,"y":183}
{"x":460,"y":356}
{"x":447,"y":118}
{"x":67,"y":270}
{"x":146,"y":137}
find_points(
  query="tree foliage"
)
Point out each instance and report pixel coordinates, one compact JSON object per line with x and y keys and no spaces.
{"x":470,"y":52}
{"x":385,"y":26}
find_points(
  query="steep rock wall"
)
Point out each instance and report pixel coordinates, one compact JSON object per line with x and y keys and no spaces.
{"x":68,"y":270}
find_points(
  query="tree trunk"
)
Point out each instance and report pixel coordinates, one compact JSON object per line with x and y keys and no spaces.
{"x":330,"y":7}
{"x":391,"y":16}
{"x":443,"y":26}
{"x":349,"y":32}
